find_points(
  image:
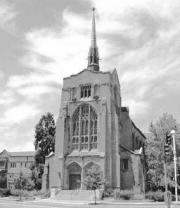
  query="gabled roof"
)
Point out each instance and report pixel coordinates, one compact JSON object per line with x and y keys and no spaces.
{"x":138,"y":129}
{"x":5,"y":153}
{"x":22,"y":154}
{"x":126,"y":110}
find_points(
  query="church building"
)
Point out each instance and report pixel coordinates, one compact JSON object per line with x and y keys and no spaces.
{"x":93,"y":129}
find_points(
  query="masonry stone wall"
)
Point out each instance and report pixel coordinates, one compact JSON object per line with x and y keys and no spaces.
{"x":132,"y":140}
{"x":114,"y":129}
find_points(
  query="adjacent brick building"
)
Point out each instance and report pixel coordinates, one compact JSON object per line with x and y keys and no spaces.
{"x":94,"y":129}
{"x":12,"y":163}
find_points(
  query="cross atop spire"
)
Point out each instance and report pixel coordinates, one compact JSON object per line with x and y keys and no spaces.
{"x":93,"y":56}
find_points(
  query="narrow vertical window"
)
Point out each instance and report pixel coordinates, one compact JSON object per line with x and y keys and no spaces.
{"x":93,"y":129}
{"x":85,"y":91}
{"x":124,"y":164}
{"x":96,"y":90}
{"x":73,"y":93}
{"x":75,"y":129}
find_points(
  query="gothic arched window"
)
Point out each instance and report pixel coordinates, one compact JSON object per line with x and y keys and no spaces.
{"x":84,"y":128}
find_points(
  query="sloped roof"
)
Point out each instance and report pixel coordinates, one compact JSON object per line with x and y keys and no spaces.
{"x":22,"y":154}
{"x":6,"y":153}
{"x":135,"y":152}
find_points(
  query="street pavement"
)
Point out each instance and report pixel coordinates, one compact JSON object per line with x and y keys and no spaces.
{"x":14,"y":203}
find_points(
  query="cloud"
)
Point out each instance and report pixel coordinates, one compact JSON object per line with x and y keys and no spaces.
{"x":26,"y":146}
{"x":140,"y":38}
{"x":7,"y":98}
{"x":7,"y":15}
{"x":17,"y":125}
{"x":34,"y":78}
{"x":1,"y":75}
{"x":19,"y":114}
{"x":16,"y":137}
{"x":137,"y":107}
{"x":137,"y":37}
{"x":62,"y":50}
{"x":34,"y":92}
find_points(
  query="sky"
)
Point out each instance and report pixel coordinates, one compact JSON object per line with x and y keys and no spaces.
{"x":42,"y":41}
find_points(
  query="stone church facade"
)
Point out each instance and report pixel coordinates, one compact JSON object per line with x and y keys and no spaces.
{"x":94,"y":129}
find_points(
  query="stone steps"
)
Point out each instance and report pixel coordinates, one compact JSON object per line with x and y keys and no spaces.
{"x":78,"y":195}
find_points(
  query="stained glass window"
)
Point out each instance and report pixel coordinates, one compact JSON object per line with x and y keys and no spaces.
{"x":84,"y":128}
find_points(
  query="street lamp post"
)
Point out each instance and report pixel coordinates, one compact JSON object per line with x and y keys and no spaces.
{"x":175,"y":163}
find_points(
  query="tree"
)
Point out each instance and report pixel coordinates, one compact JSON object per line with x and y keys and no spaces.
{"x":3,"y":179}
{"x":44,"y":137}
{"x":23,"y":182}
{"x":154,"y":151}
{"x":93,"y":180}
{"x":36,"y":175}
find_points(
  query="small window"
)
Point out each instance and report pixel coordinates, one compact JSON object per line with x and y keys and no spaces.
{"x":75,"y":142}
{"x":140,"y":144}
{"x":2,"y":163}
{"x":93,"y":143}
{"x":125,"y":164}
{"x":115,"y":93}
{"x":13,"y":165}
{"x":96,"y":90}
{"x":85,"y":91}
{"x":72,"y":93}
{"x":136,"y":143}
{"x":133,"y":141}
{"x":84,"y":142}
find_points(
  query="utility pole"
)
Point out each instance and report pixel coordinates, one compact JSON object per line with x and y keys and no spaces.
{"x":165,"y":177}
{"x":166,"y":150}
{"x":175,"y":163}
{"x":167,"y":194}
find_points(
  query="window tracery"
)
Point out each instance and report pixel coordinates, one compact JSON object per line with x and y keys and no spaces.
{"x":84,"y":128}
{"x":85,"y":91}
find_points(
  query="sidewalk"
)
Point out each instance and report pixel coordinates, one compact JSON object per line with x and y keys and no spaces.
{"x":105,"y":202}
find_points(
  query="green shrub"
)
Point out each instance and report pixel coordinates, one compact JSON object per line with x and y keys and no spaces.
{"x":108,"y":192}
{"x":116,"y":194}
{"x":37,"y":192}
{"x":149,"y":195}
{"x":174,"y":197}
{"x":3,"y":181}
{"x":123,"y":194}
{"x":24,"y":182}
{"x":126,"y":194}
{"x":4,"y":192}
{"x":155,"y":196}
{"x":46,"y":195}
{"x":138,"y":196}
{"x":26,"y":193}
{"x":15,"y":192}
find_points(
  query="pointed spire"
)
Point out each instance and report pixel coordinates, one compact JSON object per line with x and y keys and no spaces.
{"x":93,"y":57}
{"x":93,"y":32}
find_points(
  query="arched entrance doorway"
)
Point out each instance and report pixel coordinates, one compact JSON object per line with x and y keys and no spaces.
{"x":74,"y":176}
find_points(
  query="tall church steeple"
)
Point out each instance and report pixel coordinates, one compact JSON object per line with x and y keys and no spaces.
{"x":93,"y":56}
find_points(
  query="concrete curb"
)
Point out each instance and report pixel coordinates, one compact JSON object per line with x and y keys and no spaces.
{"x":103,"y":202}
